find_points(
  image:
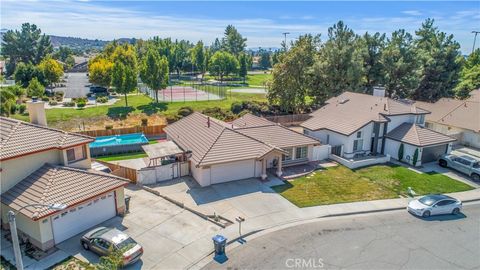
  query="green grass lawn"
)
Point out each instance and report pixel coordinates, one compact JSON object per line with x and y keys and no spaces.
{"x":341,"y":185}
{"x":125,"y":155}
{"x":258,"y":80}
{"x":140,"y":104}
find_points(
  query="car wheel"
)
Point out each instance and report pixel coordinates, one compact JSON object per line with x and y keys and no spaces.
{"x":426,"y":214}
{"x":442,"y":163}
{"x":475,"y":177}
{"x":85,"y":246}
{"x":456,"y":211}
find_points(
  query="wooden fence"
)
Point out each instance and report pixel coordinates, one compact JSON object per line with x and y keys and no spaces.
{"x":149,"y":131}
{"x":289,"y":119}
{"x":125,"y":172}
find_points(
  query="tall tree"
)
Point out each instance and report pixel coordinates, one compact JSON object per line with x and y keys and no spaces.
{"x":291,"y":82}
{"x":400,"y":64}
{"x":339,"y":66}
{"x":7,"y":100}
{"x":242,"y":72}
{"x":439,"y":55}
{"x":51,"y":69}
{"x":372,"y":55}
{"x":222,"y":64}
{"x":35,"y":88}
{"x":216,"y":46}
{"x":100,"y":71}
{"x":154,"y":71}
{"x":27,"y":45}
{"x":265,"y":62}
{"x":198,"y":56}
{"x":233,"y":42}
{"x":124,"y":70}
{"x":470,"y":76}
{"x":24,"y":73}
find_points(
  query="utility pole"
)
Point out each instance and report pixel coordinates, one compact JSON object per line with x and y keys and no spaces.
{"x":285,"y":39}
{"x":474,"y":39}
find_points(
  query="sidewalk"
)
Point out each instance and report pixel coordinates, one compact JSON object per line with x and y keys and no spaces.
{"x":253,"y":227}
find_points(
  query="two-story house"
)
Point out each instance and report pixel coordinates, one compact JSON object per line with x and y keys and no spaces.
{"x":41,"y":165}
{"x":359,"y":125}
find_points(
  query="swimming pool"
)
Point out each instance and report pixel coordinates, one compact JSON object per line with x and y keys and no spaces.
{"x":116,"y":144}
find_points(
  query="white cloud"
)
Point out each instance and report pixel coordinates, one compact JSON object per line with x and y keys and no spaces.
{"x":412,"y":12}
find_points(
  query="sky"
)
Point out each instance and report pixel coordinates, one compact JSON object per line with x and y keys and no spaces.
{"x":262,"y":23}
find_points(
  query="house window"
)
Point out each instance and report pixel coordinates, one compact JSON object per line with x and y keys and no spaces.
{"x":420,"y":119}
{"x":289,"y":154}
{"x":301,"y":152}
{"x":357,"y":145}
{"x":359,"y":134}
{"x":76,"y":153}
{"x":328,"y":138}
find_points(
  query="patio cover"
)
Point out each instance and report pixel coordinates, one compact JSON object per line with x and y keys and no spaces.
{"x":161,"y":149}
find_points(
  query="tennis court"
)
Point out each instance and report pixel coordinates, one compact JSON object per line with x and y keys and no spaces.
{"x":179,"y":93}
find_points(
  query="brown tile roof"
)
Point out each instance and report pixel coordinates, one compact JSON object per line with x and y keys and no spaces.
{"x":417,"y":135}
{"x":215,"y":142}
{"x":349,"y":112}
{"x":270,"y":132}
{"x":456,"y":113}
{"x":58,"y":184}
{"x":21,"y":138}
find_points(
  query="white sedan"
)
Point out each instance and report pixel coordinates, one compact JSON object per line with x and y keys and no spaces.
{"x":434,"y":205}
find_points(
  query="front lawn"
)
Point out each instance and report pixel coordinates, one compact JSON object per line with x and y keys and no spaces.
{"x":341,"y":185}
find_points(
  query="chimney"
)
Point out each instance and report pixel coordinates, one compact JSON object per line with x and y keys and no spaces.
{"x":36,"y":111}
{"x":378,"y":91}
{"x":208,"y":121}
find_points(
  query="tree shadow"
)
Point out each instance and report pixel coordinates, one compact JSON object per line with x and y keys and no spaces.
{"x":153,"y":107}
{"x":119,"y":112}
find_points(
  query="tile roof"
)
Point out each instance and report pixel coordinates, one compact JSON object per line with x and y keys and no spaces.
{"x":19,"y":138}
{"x":416,"y":135}
{"x":58,"y":184}
{"x":270,"y":132}
{"x":349,"y":112}
{"x":212,"y":141}
{"x":457,"y":113}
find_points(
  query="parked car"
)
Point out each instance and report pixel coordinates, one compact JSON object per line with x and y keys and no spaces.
{"x":98,"y":89}
{"x":463,"y":164}
{"x":103,"y":241}
{"x":437,"y":204}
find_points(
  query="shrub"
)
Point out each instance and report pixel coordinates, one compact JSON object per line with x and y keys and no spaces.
{"x":236,"y":107}
{"x":144,"y":122}
{"x":45,"y":98}
{"x":58,"y":98}
{"x":185,"y":111}
{"x":81,"y":104}
{"x":113,"y":93}
{"x":172,"y":118}
{"x":400,"y":152}
{"x":53,"y":103}
{"x":109,"y":127}
{"x":69,"y":104}
{"x":59,"y":94}
{"x":102,"y":99}
{"x":13,"y":109}
{"x":21,"y":108}
{"x":101,"y":94}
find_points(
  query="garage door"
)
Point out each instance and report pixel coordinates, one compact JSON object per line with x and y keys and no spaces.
{"x":432,"y":153}
{"x":82,"y":217}
{"x":232,"y":171}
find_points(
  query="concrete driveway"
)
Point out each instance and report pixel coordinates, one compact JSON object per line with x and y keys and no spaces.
{"x":171,"y":236}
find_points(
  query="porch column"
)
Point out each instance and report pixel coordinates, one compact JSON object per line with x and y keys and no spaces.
{"x":279,"y":166}
{"x":264,"y":169}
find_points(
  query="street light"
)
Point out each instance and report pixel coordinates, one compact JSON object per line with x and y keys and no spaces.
{"x":285,"y":35}
{"x":13,"y":228}
{"x":474,"y":39}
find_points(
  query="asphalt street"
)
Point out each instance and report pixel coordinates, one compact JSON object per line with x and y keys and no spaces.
{"x":77,"y":85}
{"x":393,"y":240}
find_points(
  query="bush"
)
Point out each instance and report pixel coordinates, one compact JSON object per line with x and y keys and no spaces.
{"x":218,"y":113}
{"x":102,"y":99}
{"x":80,"y":99}
{"x":185,"y":111}
{"x":45,"y":98}
{"x":59,"y":94}
{"x":101,"y":94}
{"x":69,"y":104}
{"x":13,"y":109}
{"x":58,"y":98}
{"x":53,"y":103}
{"x":107,"y":127}
{"x":172,"y":118}
{"x":113,"y":93}
{"x":21,"y":108}
{"x":236,"y":107}
{"x":81,"y":104}
{"x":144,"y":122}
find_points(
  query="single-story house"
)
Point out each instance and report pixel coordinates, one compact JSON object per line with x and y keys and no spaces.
{"x":41,"y":165}
{"x":221,"y":152}
{"x":360,"y":125}
{"x":456,"y":118}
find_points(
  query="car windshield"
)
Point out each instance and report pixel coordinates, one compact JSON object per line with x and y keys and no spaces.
{"x":127,"y":244}
{"x":100,"y":232}
{"x":427,"y":200}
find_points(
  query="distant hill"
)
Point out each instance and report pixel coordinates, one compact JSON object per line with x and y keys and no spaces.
{"x":77,"y":43}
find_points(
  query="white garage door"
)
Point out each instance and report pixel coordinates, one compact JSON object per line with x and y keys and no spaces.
{"x":232,"y":171}
{"x":82,"y":217}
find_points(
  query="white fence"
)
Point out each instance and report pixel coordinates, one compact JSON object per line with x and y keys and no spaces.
{"x":353,"y":164}
{"x":321,"y":152}
{"x":152,"y":175}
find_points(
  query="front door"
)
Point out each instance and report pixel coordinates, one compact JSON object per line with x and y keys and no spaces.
{"x":372,"y":144}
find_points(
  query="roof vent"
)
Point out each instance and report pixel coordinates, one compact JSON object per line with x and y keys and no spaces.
{"x":343,"y":101}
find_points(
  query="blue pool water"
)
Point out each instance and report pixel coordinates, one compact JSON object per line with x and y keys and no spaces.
{"x":135,"y":138}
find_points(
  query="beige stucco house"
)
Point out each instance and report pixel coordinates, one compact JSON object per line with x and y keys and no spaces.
{"x":44,"y":165}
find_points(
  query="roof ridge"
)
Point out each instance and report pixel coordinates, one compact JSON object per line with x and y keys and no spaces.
{"x":250,"y":137}
{"x":210,"y":147}
{"x":416,"y":132}
{"x":44,"y":198}
{"x":454,"y":109}
{"x":306,"y":135}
